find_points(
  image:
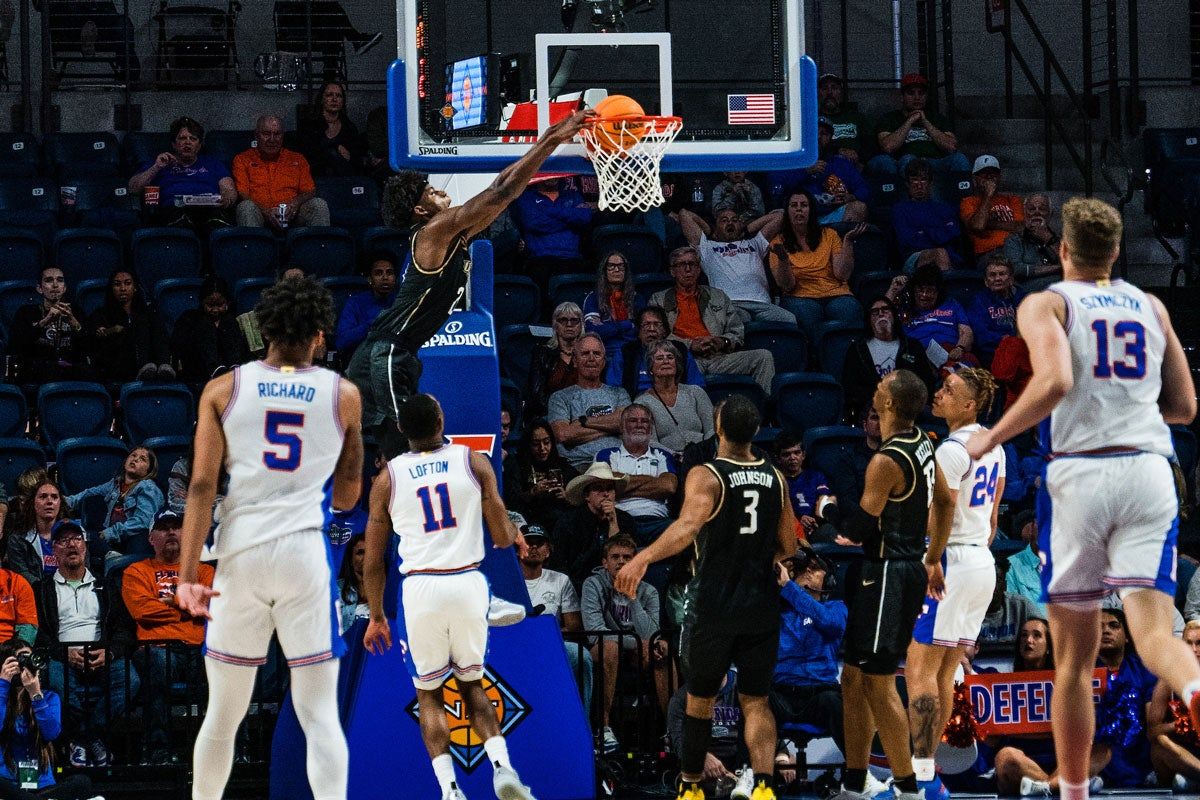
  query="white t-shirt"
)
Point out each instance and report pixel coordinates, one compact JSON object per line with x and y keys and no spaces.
{"x":884,"y":355}
{"x":736,"y":268}
{"x":554,"y":591}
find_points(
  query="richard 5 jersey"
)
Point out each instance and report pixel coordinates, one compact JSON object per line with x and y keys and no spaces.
{"x":283,"y":438}
{"x":437,"y":511}
{"x":976,"y":484}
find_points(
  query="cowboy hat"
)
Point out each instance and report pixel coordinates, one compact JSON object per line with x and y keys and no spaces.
{"x":597,"y":471}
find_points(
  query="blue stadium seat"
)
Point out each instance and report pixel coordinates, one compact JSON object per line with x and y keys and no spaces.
{"x":224,"y":145}
{"x":73,"y":408}
{"x":951,"y":187}
{"x":86,"y":461}
{"x":243,"y":253}
{"x":766,"y":436}
{"x":833,"y":340}
{"x":651,"y":282}
{"x":343,"y":286}
{"x":572,"y":288}
{"x":353,"y":202}
{"x":825,"y":445}
{"x":247,"y":291}
{"x":16,"y":456}
{"x":394,"y":240}
{"x":962,"y":285}
{"x":13,"y":295}
{"x":87,"y":253}
{"x":510,"y":397}
{"x":787,"y":344}
{"x":638,"y":243}
{"x":516,"y":344}
{"x":82,"y":155}
{"x":21,"y":255}
{"x":168,"y":450}
{"x":14,"y":415}
{"x":870,"y":248}
{"x":89,"y":295}
{"x":156,"y":409}
{"x":870,"y":285}
{"x":30,"y":203}
{"x":173,"y":296}
{"x":1163,"y":145}
{"x":160,"y":253}
{"x":517,"y":300}
{"x":20,"y":155}
{"x":142,"y":147}
{"x":99,"y":203}
{"x":719,"y":386}
{"x":321,"y":251}
{"x":806,"y":400}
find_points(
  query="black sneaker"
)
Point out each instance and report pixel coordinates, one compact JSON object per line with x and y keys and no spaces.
{"x":367,"y":41}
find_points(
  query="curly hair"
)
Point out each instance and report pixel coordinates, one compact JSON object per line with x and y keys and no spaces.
{"x":982,"y":385}
{"x":401,"y":194}
{"x":293,"y":311}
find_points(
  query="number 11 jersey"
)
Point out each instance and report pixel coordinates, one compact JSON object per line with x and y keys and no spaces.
{"x":437,"y":511}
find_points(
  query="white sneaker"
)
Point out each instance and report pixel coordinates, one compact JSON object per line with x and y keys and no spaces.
{"x":744,"y":786}
{"x":1095,"y":785}
{"x":454,"y":793}
{"x":608,"y":741}
{"x":919,"y":794}
{"x":1032,"y":788}
{"x":875,"y":787}
{"x":845,"y":794}
{"x":502,"y":613}
{"x":508,"y":785}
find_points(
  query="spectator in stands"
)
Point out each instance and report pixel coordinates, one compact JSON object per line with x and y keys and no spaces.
{"x":1007,"y":612}
{"x":552,"y":364}
{"x":988,"y":215}
{"x":18,"y":608}
{"x":31,"y":553}
{"x":927,"y":230}
{"x":586,"y":415}
{"x":95,"y":681}
{"x":1121,"y":731}
{"x":579,"y":536}
{"x":630,"y":366}
{"x":274,"y":184}
{"x":834,"y":182}
{"x":539,"y":476}
{"x":19,"y":514}
{"x":651,"y":472}
{"x":1033,"y":649}
{"x":183,"y":172}
{"x":738,"y":193}
{"x":350,"y":583}
{"x":885,"y":349}
{"x":1176,"y":756}
{"x":847,"y":468}
{"x":131,"y":498}
{"x":552,"y":217}
{"x":610,"y":309}
{"x":361,"y":308}
{"x":806,"y":688}
{"x":733,"y":260}
{"x":682,"y":413}
{"x":48,"y":338}
{"x":812,"y":265}
{"x":606,"y":609}
{"x":148,"y":589}
{"x":726,"y":753}
{"x":32,"y":722}
{"x":1033,"y":250}
{"x":808,"y":488}
{"x":327,"y":137}
{"x":1025,"y":566}
{"x":1021,"y":760}
{"x":851,"y":131}
{"x":937,"y":321}
{"x":993,"y":312}
{"x":913,"y":132}
{"x":128,"y":339}
{"x":704,"y":319}
{"x":207,"y":340}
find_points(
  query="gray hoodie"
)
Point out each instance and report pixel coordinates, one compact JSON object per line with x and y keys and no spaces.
{"x":606,"y":609}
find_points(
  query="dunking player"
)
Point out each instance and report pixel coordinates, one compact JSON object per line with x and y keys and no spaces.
{"x":739,"y":516}
{"x":947,"y":625}
{"x":1109,"y":373}
{"x":437,"y":496}
{"x":436,"y":278}
{"x":904,"y":498}
{"x":288,"y":434}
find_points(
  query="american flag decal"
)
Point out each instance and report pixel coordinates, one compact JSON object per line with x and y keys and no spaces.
{"x":751,"y":109}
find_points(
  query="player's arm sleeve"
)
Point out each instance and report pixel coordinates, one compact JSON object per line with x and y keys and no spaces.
{"x":953,"y":459}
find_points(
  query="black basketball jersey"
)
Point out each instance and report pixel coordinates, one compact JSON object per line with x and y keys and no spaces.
{"x":426,"y":297}
{"x":735,"y":551}
{"x":904,"y":522}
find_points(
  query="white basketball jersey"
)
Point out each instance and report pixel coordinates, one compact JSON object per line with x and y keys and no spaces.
{"x":436,"y":510}
{"x":976,"y":482}
{"x":1117,"y":345}
{"x":283,"y":438}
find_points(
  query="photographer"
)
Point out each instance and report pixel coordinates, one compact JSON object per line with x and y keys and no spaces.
{"x":32,"y":720}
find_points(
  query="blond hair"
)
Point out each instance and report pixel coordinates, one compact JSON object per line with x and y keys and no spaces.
{"x":1092,"y":231}
{"x":982,"y":385}
{"x":1191,"y":625}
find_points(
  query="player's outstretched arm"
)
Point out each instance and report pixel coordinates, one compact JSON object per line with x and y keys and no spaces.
{"x":1177,"y":400}
{"x":377,"y":535}
{"x":941,"y":516}
{"x":1041,"y":318}
{"x":347,"y":475}
{"x":207,"y":457}
{"x":503,"y":532}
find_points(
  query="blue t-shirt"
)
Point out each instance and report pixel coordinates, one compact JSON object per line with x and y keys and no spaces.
{"x":804,"y":489}
{"x":49,"y":562}
{"x":202,"y":176}
{"x":940,"y":324}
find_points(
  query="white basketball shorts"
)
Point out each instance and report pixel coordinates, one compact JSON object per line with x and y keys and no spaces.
{"x":955,"y":620}
{"x":445,"y":626}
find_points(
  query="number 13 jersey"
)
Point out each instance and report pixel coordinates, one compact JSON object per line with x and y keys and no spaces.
{"x":283,"y":438}
{"x":437,"y":511}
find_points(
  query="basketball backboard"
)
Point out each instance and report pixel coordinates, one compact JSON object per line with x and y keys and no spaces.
{"x":476,"y":80}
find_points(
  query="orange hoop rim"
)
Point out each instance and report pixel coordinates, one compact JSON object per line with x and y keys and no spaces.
{"x":659,"y":122}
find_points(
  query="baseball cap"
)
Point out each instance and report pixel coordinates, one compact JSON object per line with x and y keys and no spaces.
{"x":167,"y":519}
{"x":913,"y":79}
{"x":535,"y":532}
{"x":65,"y":526}
{"x":985,"y":162}
{"x":518,"y":520}
{"x":829,"y":76}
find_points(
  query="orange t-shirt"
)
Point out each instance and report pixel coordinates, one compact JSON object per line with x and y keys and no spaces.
{"x":148,"y":585}
{"x":17,"y":606}
{"x":1005,"y":208}
{"x":689,"y":324}
{"x":269,"y":183}
{"x":814,"y":268}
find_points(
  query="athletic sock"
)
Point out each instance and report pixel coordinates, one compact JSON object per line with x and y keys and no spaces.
{"x":854,"y":780}
{"x":497,"y":751}
{"x":443,"y":768}
{"x":1073,"y":791}
{"x":1189,"y":691}
{"x":766,"y":779}
{"x":908,"y":784}
{"x":924,"y":768}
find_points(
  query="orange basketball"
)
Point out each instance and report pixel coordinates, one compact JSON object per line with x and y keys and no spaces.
{"x":613,"y":136}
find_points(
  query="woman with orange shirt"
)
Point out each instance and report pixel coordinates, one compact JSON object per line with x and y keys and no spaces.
{"x":812,"y":266}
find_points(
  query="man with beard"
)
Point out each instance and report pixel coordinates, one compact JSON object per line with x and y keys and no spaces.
{"x":651,"y":471}
{"x":850,"y":128}
{"x":872,"y":357}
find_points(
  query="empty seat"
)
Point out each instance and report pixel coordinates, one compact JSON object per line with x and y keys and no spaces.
{"x":396,"y":241}
{"x":239,"y":253}
{"x":343,"y":286}
{"x":353,"y":202}
{"x":247,"y":291}
{"x":20,"y":155}
{"x":30,"y":203}
{"x":321,"y":251}
{"x":21,"y":255}
{"x":962,"y":285}
{"x":16,"y":456}
{"x":14,"y":416}
{"x":141,"y":147}
{"x":833,"y":341}
{"x":510,"y":396}
{"x":224,"y":145}
{"x":652,"y":282}
{"x":870,"y":248}
{"x":82,"y":155}
{"x":516,"y":344}
{"x":89,"y":295}
{"x":99,"y":203}
{"x":160,"y":253}
{"x":73,"y":408}
{"x":572,"y":288}
{"x":826,"y":447}
{"x":1184,"y":442}
{"x":13,"y":295}
{"x":168,"y":450}
{"x":87,"y":253}
{"x":86,"y":461}
{"x":517,"y":300}
{"x":156,"y":409}
{"x":786,"y":343}
{"x":806,"y":400}
{"x":719,"y":386}
{"x":951,"y":187}
{"x":637,"y":243}
{"x":173,"y":296}
{"x":870,"y":285}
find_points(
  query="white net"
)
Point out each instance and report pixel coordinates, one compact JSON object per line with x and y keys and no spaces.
{"x":626,"y":154}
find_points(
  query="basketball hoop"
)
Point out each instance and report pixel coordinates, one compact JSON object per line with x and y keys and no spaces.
{"x":626,"y":153}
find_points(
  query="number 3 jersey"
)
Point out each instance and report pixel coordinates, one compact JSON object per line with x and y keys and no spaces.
{"x":1117,"y":346}
{"x":283,"y":438}
{"x":437,"y":511}
{"x":976,"y":483}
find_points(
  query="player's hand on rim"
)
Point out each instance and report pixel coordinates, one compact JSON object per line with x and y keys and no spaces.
{"x":937,"y":581}
{"x":565,"y":130}
{"x":378,"y":638}
{"x":193,"y":598}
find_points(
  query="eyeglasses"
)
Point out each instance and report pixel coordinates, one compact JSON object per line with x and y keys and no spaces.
{"x":71,"y":539}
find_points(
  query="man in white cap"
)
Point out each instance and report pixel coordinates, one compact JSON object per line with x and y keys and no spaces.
{"x":988,"y":215}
